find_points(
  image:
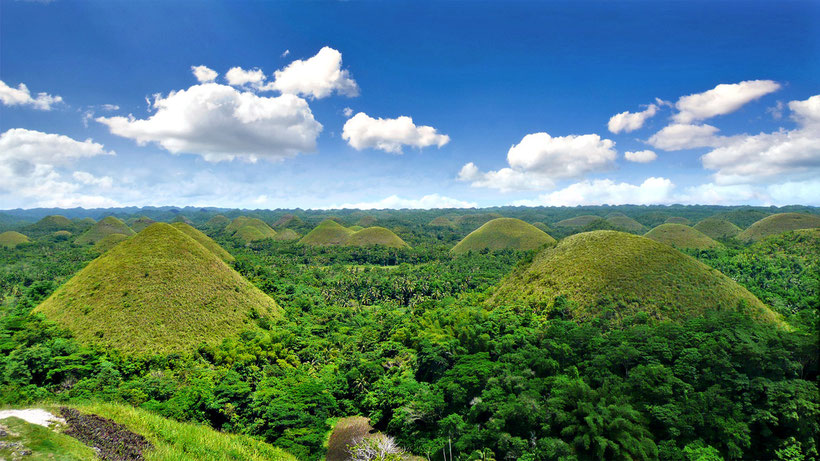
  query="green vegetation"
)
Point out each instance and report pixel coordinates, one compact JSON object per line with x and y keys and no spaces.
{"x":99,"y":230}
{"x":613,"y":273}
{"x":288,"y":220}
{"x":51,"y":224}
{"x":286,"y":235}
{"x":328,"y":232}
{"x":678,"y":220}
{"x":62,"y":235}
{"x":542,"y":227}
{"x":366,"y":221}
{"x":108,"y":242}
{"x":42,"y":442}
{"x":717,"y":228}
{"x":159,"y":292}
{"x":503,"y":233}
{"x":623,"y":222}
{"x":441,"y":221}
{"x":182,"y":219}
{"x":742,"y":218}
{"x":141,"y":223}
{"x":373,"y":236}
{"x":578,"y":221}
{"x":249,"y":230}
{"x":11,"y":239}
{"x":779,"y":223}
{"x":217,"y":223}
{"x":681,"y":236}
{"x":205,"y":241}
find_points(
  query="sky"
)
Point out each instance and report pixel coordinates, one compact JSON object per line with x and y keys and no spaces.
{"x":408,"y":104}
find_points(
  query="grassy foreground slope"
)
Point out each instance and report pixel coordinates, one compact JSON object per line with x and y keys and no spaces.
{"x":681,"y":236}
{"x":105,"y":226}
{"x":328,"y":232}
{"x":376,"y":236}
{"x":158,"y":292}
{"x":205,"y":241}
{"x":44,"y":443}
{"x":717,"y":228}
{"x":11,"y":239}
{"x":503,"y":233}
{"x":629,"y":273}
{"x":779,"y":223}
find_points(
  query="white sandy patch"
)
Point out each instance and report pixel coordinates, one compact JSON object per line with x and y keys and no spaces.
{"x":32,"y":415}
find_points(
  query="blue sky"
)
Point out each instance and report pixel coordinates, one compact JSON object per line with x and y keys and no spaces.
{"x":511,"y":103}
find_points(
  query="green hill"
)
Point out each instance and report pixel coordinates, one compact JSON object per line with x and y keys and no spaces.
{"x":141,"y":223}
{"x":678,"y":220}
{"x":98,"y":231}
{"x":742,"y":218}
{"x":717,"y":228}
{"x":578,"y":221}
{"x":779,"y":223}
{"x":542,"y":227}
{"x":441,"y":221}
{"x":51,"y":224}
{"x":627,"y":273}
{"x":286,"y":235}
{"x":253,"y":229}
{"x":623,"y":222}
{"x":366,"y":221}
{"x":108,"y":242}
{"x":328,"y":232}
{"x":375,"y":236}
{"x":355,"y":228}
{"x":218,"y":223}
{"x":205,"y":241}
{"x":681,"y":236}
{"x":182,"y":219}
{"x":158,"y":292}
{"x":288,"y":220}
{"x":62,"y":236}
{"x":503,"y":233}
{"x":236,"y":224}
{"x":472,"y":221}
{"x":11,"y":239}
{"x":85,"y":222}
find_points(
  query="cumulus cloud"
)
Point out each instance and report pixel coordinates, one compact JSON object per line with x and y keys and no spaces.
{"x":219,"y":122}
{"x":641,"y":156}
{"x":348,"y":112}
{"x":237,"y":76}
{"x":395,"y":202}
{"x":316,"y":77}
{"x":89,"y":179}
{"x":204,"y":74}
{"x":607,"y":192}
{"x":722,"y":99}
{"x":630,"y":121}
{"x":284,"y":54}
{"x":680,"y":136}
{"x":21,"y":96}
{"x":389,"y":134}
{"x":504,"y":180}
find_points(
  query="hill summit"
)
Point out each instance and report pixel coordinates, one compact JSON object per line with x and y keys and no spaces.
{"x":681,"y":236}
{"x":503,"y":233}
{"x":160,"y":291}
{"x":601,"y":270}
{"x":99,"y":230}
{"x":717,"y":228}
{"x":779,"y":223}
{"x":375,"y":236}
{"x":11,"y":239}
{"x":328,"y":232}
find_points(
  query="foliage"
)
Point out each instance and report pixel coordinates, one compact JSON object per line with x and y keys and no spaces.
{"x":42,"y":443}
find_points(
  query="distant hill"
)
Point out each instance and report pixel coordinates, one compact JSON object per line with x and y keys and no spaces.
{"x":503,"y":233}
{"x":328,"y":232}
{"x":52,"y":223}
{"x":681,"y":236}
{"x":627,"y":274}
{"x":205,"y":241}
{"x":542,"y":227}
{"x":98,"y":231}
{"x":286,"y":235}
{"x":366,"y":221}
{"x":678,"y":220}
{"x":141,"y":223}
{"x":250,"y":229}
{"x":742,"y":218}
{"x":472,"y":221}
{"x":717,"y":228}
{"x":109,"y":241}
{"x":218,"y":223}
{"x":779,"y":223}
{"x":578,"y":221}
{"x":375,"y":236}
{"x":441,"y":221}
{"x":623,"y":222}
{"x":288,"y":220}
{"x":11,"y":239}
{"x":158,"y":292}
{"x":182,"y":219}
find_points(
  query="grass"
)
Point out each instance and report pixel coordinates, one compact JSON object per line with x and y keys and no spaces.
{"x":602,"y":270}
{"x":503,"y":233}
{"x":375,"y":236}
{"x":218,"y":222}
{"x":11,"y":239}
{"x":542,"y":227}
{"x":288,"y":220}
{"x":182,"y":219}
{"x":441,"y":221}
{"x":717,"y":228}
{"x":250,"y":229}
{"x":205,"y":241}
{"x":678,"y":220}
{"x":578,"y":221}
{"x":158,"y":292}
{"x":328,"y":232}
{"x":287,"y":235}
{"x":366,"y":221}
{"x":99,"y":230}
{"x":623,"y":222}
{"x":141,"y":223}
{"x":742,"y":218}
{"x":681,"y":236}
{"x":109,"y":241}
{"x":44,"y":443}
{"x":53,"y":223}
{"x":778,"y":224}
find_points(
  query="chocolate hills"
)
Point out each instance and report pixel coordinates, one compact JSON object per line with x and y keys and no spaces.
{"x":52,"y":223}
{"x":158,"y":292}
{"x":218,"y":223}
{"x":678,"y":220}
{"x":717,"y":228}
{"x":375,"y":236}
{"x":623,"y":222}
{"x":108,"y":242}
{"x":250,"y":229}
{"x":205,"y":241}
{"x":98,"y":231}
{"x":140,"y":223}
{"x":602,"y":270}
{"x":578,"y":221}
{"x":287,"y":235}
{"x":681,"y":236}
{"x":779,"y":223}
{"x":503,"y":233}
{"x":328,"y":232}
{"x":11,"y":239}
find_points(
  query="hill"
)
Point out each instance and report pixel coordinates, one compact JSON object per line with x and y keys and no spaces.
{"x":472,"y":221}
{"x":742,"y":218}
{"x":288,"y":220}
{"x":205,"y":241}
{"x":254,"y":229}
{"x":717,"y":228}
{"x":286,"y":235}
{"x":236,"y":224}
{"x":503,"y":233}
{"x":542,"y":227}
{"x":109,"y":241}
{"x":627,"y":273}
{"x":779,"y":223}
{"x":578,"y":221}
{"x":218,"y":223}
{"x":98,"y":231}
{"x":158,"y":292}
{"x":441,"y":221}
{"x":375,"y":236}
{"x":141,"y":223}
{"x":623,"y":222}
{"x":366,"y":221}
{"x":681,"y":236}
{"x":52,"y":223}
{"x":11,"y":239}
{"x":678,"y":220}
{"x":182,"y":219}
{"x":62,"y":235}
{"x":328,"y":232}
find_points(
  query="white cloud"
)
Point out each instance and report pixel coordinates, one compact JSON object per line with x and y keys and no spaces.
{"x":607,"y":192}
{"x":237,"y":76}
{"x":204,"y":74}
{"x":316,"y":77}
{"x":631,"y":121}
{"x":284,"y":54}
{"x":505,"y":179}
{"x":91,"y":180}
{"x":348,"y":112}
{"x":795,"y":193}
{"x":109,"y":107}
{"x":21,"y":147}
{"x":221,"y":123}
{"x":722,"y":99}
{"x":395,"y":202}
{"x":21,"y":96}
{"x":683,"y":136}
{"x":641,"y":156}
{"x":389,"y":134}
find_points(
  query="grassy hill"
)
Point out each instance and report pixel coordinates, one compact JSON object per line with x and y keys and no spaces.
{"x":182,"y":219}
{"x":158,"y":292}
{"x":678,"y":220}
{"x":578,"y":221}
{"x":218,"y":223}
{"x":623,"y":222}
{"x":205,"y":241}
{"x":141,"y":223}
{"x":11,"y":239}
{"x":503,"y":233}
{"x":98,"y":231}
{"x":626,"y":273}
{"x":742,"y":218}
{"x":287,"y":235}
{"x":366,"y":221}
{"x":717,"y":228}
{"x":62,"y":235}
{"x":542,"y":227}
{"x":376,"y":236}
{"x":779,"y":223}
{"x":109,"y":241}
{"x":441,"y":221}
{"x":681,"y":236}
{"x":328,"y":232}
{"x":288,"y":220}
{"x":51,"y":224}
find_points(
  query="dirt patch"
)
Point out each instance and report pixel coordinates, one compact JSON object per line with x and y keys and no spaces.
{"x":113,"y":442}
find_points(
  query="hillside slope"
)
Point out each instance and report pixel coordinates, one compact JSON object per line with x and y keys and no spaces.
{"x":779,"y":223}
{"x":375,"y":236}
{"x":328,"y":232}
{"x":99,"y":230}
{"x":717,"y":228}
{"x":503,"y":233}
{"x":681,"y":236}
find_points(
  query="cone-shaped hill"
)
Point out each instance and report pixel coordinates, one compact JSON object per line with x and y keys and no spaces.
{"x":541,"y":226}
{"x":250,"y":229}
{"x":328,"y":232}
{"x":503,"y":233}
{"x":441,"y":221}
{"x":366,"y":221}
{"x":623,"y":222}
{"x":288,"y":220}
{"x":376,"y":236}
{"x":98,"y":231}
{"x":680,"y":236}
{"x":287,"y":235}
{"x":205,"y":241}
{"x":51,"y":224}
{"x":717,"y":228}
{"x":677,"y":220}
{"x":141,"y":223}
{"x":11,"y":239}
{"x":779,"y":223}
{"x":218,"y":223}
{"x":578,"y":221}
{"x":627,"y":273}
{"x":182,"y":218}
{"x":158,"y":292}
{"x":108,"y":242}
